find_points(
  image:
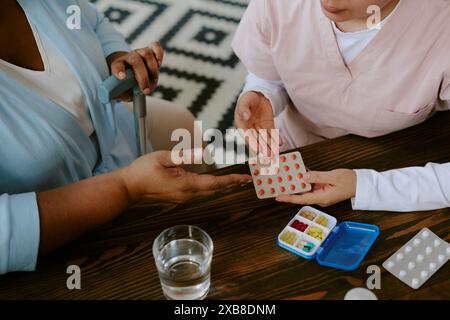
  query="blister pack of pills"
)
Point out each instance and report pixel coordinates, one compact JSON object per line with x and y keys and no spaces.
{"x":419,"y":258}
{"x":283,"y":174}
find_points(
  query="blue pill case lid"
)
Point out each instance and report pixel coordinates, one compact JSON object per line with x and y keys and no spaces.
{"x":341,"y":246}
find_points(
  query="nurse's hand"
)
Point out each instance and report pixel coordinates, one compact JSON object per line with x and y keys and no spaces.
{"x":155,"y":178}
{"x":328,"y":188}
{"x":254,"y":111}
{"x":145,"y":63}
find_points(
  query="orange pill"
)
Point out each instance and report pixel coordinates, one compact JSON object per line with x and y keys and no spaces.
{"x":256,"y":173}
{"x":289,"y":178}
{"x":272,"y":190}
{"x":282,"y":189}
{"x":269,"y":180}
{"x":303,"y":185}
{"x":297,"y":166}
{"x":259,"y":182}
{"x":294,"y":156}
{"x":286,"y":168}
{"x":292,"y":187}
{"x":283,"y":158}
{"x":279,"y":179}
{"x":300,"y":175}
{"x":261,"y":192}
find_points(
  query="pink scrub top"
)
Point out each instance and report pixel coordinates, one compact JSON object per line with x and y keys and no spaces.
{"x":399,"y":80}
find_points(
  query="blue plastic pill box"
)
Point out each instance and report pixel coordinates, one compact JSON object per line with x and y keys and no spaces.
{"x":341,"y":246}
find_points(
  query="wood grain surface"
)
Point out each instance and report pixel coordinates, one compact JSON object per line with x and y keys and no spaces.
{"x":117,"y":263}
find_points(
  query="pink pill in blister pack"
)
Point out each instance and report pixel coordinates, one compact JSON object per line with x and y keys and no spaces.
{"x":279,"y":175}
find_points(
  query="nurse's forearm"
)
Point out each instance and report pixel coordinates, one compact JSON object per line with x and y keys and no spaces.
{"x":67,"y":212}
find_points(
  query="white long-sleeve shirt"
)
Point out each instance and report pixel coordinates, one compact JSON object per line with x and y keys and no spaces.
{"x":408,"y":189}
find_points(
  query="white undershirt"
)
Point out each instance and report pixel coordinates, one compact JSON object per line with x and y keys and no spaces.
{"x":57,"y":82}
{"x":407,"y":189}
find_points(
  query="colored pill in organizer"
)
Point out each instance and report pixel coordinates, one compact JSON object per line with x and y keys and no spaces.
{"x":305,"y":246}
{"x":308,"y":215}
{"x":300,"y":226}
{"x":322,"y":221}
{"x":316,"y":233}
{"x":289,"y":237}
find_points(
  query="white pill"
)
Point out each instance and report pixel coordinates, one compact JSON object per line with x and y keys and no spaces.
{"x":419,"y":258}
{"x":441,"y":257}
{"x":411,"y":265}
{"x":425,"y":234}
{"x":432,"y":266}
{"x":402,"y":273}
{"x":424,"y":274}
{"x":415,"y":282}
{"x":437,"y":243}
{"x":428,"y":250}
{"x":390,"y":264}
{"x":416,"y":242}
{"x":399,"y":257}
{"x":408,"y":249}
{"x":360,"y":294}
{"x":448,"y":251}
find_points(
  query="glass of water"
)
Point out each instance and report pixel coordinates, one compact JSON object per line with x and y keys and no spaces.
{"x":183,"y":257}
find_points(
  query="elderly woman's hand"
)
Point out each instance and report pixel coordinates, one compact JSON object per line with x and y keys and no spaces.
{"x":156,"y":178}
{"x":145,"y":63}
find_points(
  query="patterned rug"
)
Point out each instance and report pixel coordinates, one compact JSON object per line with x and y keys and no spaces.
{"x":200,"y":70}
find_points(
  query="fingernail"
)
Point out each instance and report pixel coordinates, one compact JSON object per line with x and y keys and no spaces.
{"x":244,"y":183}
{"x":245,"y":115}
{"x":121,"y":75}
{"x":147,"y":91}
{"x":307,"y":176}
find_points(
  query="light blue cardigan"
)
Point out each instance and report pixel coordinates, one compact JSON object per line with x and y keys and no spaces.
{"x":41,"y":145}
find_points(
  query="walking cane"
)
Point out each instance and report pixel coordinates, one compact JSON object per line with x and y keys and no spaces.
{"x":112,"y":88}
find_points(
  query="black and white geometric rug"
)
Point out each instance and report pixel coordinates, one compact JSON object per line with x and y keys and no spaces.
{"x":200,"y":70}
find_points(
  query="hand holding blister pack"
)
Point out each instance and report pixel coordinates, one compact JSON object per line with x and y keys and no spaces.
{"x":419,"y":258}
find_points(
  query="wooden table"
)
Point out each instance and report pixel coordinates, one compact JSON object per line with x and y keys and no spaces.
{"x":117,"y":262}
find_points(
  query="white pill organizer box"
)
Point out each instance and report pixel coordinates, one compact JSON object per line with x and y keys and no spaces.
{"x":315,"y":234}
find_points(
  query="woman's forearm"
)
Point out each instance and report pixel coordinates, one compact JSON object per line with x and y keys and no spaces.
{"x":69,"y":211}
